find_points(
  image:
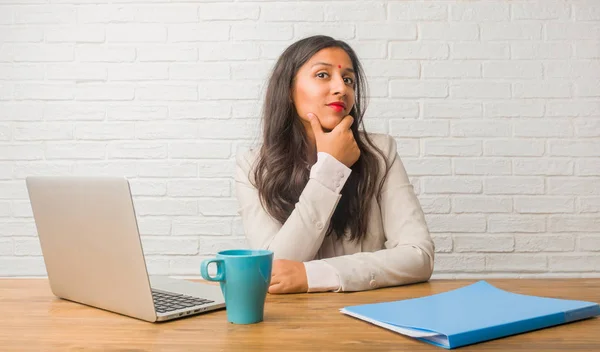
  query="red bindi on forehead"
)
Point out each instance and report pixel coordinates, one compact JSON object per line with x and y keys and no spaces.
{"x":339,"y":66}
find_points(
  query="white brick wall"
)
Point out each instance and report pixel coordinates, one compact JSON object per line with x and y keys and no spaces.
{"x":495,"y":106}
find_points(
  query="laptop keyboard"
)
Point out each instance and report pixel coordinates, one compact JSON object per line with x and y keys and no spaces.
{"x":169,"y":301}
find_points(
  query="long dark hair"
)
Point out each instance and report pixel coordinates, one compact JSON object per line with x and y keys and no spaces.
{"x":283,"y":166}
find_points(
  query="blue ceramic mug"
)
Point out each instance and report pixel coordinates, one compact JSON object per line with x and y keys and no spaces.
{"x":244,"y":276}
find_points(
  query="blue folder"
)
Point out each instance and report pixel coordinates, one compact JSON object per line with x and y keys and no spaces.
{"x":471,"y":314}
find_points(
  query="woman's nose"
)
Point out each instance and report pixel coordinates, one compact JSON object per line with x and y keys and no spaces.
{"x":339,"y":86}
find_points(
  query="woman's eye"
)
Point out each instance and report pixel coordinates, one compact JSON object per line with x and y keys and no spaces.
{"x":349,"y":80}
{"x":321,"y":74}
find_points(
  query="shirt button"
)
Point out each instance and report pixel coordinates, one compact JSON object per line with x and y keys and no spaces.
{"x":319,"y":225}
{"x":337,"y":185}
{"x":373,"y":284}
{"x":340,"y":175}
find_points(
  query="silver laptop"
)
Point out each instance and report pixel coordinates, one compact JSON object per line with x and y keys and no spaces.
{"x":93,"y":254}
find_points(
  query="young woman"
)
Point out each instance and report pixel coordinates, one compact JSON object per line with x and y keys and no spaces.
{"x":332,"y":202}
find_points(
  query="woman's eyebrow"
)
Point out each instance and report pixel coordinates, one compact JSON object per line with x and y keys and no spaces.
{"x":330,"y":65}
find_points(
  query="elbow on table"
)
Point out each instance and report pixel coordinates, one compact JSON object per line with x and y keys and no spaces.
{"x":422,"y":269}
{"x":428,"y":265}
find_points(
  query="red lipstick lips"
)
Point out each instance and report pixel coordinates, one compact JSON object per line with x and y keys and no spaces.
{"x":337,"y":106}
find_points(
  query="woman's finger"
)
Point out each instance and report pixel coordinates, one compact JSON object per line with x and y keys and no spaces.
{"x":277,"y":288}
{"x":275,"y":280}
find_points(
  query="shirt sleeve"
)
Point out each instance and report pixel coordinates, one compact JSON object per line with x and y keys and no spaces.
{"x":321,"y":276}
{"x":300,"y":237}
{"x":330,"y":172}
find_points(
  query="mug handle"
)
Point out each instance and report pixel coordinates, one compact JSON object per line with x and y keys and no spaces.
{"x":220,"y":270}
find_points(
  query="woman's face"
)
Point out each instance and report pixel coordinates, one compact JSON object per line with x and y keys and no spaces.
{"x":324,"y":85}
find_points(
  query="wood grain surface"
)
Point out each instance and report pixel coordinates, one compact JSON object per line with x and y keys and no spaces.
{"x":34,"y":320}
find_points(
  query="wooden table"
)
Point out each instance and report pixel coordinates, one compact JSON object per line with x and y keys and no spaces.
{"x":32,"y":319}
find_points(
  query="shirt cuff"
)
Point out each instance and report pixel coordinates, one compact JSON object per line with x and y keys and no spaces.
{"x":330,"y":172}
{"x":321,"y":276}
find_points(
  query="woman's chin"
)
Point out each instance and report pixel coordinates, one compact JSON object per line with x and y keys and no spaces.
{"x":329,"y":123}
